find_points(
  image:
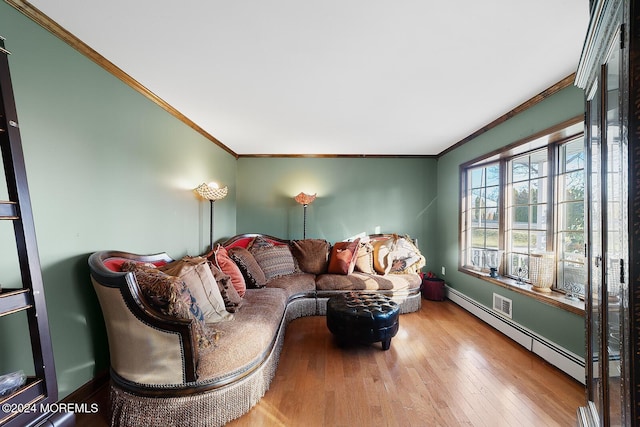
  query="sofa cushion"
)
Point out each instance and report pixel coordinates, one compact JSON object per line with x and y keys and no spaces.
{"x":361,"y":282}
{"x":220,"y":258}
{"x":244,"y":340}
{"x":197,"y":275}
{"x":295,"y":284}
{"x":274,"y":260}
{"x":343,"y":257}
{"x":169,"y":295}
{"x":253,"y":274}
{"x":312,"y":255}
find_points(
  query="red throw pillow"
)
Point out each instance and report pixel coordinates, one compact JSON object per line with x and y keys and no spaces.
{"x":220,"y":259}
{"x":343,"y":257}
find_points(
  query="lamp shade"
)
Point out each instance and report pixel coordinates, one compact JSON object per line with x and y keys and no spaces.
{"x":211,"y":192}
{"x":305,"y":199}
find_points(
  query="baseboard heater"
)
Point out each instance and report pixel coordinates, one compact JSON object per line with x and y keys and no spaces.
{"x":568,"y":362}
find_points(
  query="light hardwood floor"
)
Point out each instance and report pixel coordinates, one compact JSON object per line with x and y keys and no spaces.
{"x":444,"y":368}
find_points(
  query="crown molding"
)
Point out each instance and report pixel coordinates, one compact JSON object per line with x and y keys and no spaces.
{"x":562,"y":84}
{"x":346,"y":156}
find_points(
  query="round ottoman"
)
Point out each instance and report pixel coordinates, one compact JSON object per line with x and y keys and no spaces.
{"x":363,"y":318}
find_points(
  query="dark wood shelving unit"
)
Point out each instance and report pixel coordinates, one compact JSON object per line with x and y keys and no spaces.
{"x":29,"y":404}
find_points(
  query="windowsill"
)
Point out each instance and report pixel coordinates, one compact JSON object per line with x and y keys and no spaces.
{"x":556,"y":299}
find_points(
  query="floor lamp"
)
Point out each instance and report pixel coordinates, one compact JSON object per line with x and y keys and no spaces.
{"x":305,"y":200}
{"x":212,"y":193}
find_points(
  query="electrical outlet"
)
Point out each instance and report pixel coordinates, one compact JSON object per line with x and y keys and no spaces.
{"x":443,"y":270}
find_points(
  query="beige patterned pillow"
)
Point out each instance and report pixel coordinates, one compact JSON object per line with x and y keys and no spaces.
{"x":364,"y":260}
{"x":197,"y":275}
{"x":169,"y":295}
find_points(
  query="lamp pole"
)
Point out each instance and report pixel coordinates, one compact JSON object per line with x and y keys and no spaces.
{"x":304,"y":221}
{"x":211,"y":225}
{"x":304,"y":200}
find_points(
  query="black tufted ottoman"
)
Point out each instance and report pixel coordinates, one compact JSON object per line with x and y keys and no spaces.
{"x":362,"y":317}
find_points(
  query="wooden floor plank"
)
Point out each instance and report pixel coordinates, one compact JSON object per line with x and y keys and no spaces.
{"x":444,"y":368}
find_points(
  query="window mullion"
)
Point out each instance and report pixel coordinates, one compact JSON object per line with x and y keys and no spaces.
{"x":502,"y":218}
{"x":552,"y":157}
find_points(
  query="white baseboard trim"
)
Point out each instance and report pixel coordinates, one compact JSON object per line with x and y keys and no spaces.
{"x":568,"y":362}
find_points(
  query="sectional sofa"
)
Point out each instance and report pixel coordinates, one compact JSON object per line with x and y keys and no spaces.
{"x":196,"y":341}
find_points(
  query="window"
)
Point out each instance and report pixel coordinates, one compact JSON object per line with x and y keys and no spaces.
{"x":571,"y":219}
{"x":483,"y":213}
{"x":527,"y":209}
{"x":525,"y":200}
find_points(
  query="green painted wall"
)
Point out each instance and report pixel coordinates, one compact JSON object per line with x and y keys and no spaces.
{"x":558,"y":325}
{"x":355,"y":195}
{"x":107,"y":169}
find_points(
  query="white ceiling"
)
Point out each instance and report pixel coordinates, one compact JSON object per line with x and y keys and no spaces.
{"x":374,"y":77}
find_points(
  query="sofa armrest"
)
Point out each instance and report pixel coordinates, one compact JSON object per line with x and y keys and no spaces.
{"x":146,"y":346}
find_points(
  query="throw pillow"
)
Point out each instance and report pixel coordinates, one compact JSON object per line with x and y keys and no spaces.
{"x":169,"y":295}
{"x":381,"y":260}
{"x":343,"y":257}
{"x":196,"y":273}
{"x":312,"y":255}
{"x":364,"y":258}
{"x":406,"y":257}
{"x":220,"y":258}
{"x":275,"y":261}
{"x":253,"y":274}
{"x":259,"y":242}
{"x":232,"y":301}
